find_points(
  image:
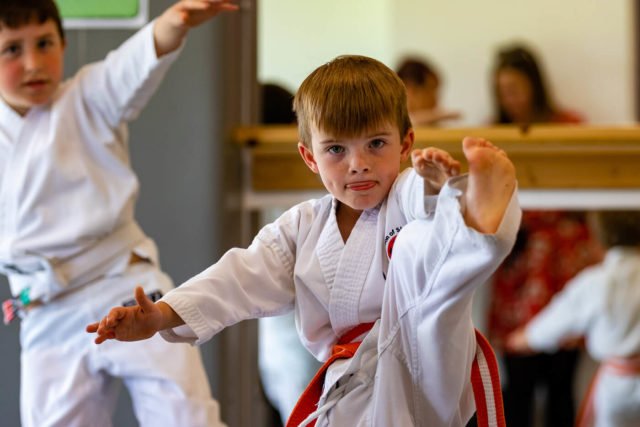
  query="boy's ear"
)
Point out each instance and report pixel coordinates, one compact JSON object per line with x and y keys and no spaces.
{"x":307,"y":156}
{"x":407,"y":145}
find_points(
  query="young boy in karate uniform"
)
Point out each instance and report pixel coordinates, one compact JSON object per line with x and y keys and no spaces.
{"x":69,"y":242}
{"x":333,"y":261}
{"x":601,"y":304}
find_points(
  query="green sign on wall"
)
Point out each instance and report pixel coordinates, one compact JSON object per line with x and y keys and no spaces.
{"x":99,"y":8}
{"x":103,"y":13}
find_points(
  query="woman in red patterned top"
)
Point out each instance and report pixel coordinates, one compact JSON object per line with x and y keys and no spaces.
{"x":551,"y":248}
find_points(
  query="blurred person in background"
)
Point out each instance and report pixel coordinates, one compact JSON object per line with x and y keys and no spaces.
{"x":551,"y":248}
{"x":422,"y":83}
{"x":602,"y":303}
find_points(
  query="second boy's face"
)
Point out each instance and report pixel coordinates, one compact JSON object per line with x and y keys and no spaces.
{"x":31,"y":60}
{"x":358,"y":171}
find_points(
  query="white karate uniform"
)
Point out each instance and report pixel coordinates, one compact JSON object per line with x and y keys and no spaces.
{"x":601,"y":303}
{"x":67,"y":232}
{"x":300,"y":261}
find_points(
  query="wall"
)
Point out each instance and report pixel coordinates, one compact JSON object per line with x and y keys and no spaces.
{"x":176,"y":146}
{"x":586,"y":46}
{"x":294,"y":37}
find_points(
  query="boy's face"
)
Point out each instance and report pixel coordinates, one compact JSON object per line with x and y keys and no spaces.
{"x":31,"y":60}
{"x":422,"y":97}
{"x":358,"y":171}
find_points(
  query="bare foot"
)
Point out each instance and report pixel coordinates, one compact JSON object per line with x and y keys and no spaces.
{"x":435,"y":166}
{"x":492,"y":180}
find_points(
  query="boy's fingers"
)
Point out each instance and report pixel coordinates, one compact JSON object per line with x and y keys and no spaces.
{"x":92,"y":328}
{"x":145,"y":303}
{"x":102,"y":338}
{"x":103,"y":325}
{"x":195,"y":5}
{"x":114,"y":316}
{"x":198,"y":5}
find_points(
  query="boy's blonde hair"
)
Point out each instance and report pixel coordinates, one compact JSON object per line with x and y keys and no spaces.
{"x":348,"y":96}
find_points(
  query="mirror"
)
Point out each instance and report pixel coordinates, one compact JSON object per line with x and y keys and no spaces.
{"x":585,"y":48}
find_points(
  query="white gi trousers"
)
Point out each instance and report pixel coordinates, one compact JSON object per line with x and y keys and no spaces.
{"x":68,"y":381}
{"x":616,"y":401}
{"x":414,"y":366}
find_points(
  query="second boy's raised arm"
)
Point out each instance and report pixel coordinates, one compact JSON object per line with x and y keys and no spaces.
{"x":172,"y":26}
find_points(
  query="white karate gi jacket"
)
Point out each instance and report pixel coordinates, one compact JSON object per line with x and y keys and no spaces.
{"x":300,"y":261}
{"x":67,"y":191}
{"x":67,"y":195}
{"x":601,"y":303}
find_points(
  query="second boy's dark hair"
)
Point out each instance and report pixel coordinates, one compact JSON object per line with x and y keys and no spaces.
{"x":16,"y":13}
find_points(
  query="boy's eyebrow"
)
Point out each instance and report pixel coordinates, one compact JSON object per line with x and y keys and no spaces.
{"x":379,"y":133}
{"x":10,"y":42}
{"x":47,"y":35}
{"x":329,"y":140}
{"x":374,"y":134}
{"x":8,"y":39}
{"x":50,"y":34}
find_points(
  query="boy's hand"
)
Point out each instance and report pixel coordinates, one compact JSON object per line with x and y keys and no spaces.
{"x":516,"y":342}
{"x":130,"y":323}
{"x":436,"y":166}
{"x":171,"y":27}
{"x":191,"y":13}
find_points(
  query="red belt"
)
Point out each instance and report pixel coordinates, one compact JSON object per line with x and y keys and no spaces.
{"x":627,"y":366}
{"x":311,"y":395}
{"x":485,"y":380}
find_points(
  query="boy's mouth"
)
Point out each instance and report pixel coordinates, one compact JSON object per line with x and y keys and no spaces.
{"x":361,"y":186}
{"x":35,"y":84}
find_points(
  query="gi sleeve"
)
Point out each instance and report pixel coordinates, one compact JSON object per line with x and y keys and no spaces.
{"x":121,"y":85}
{"x":243,"y":284}
{"x":409,"y":193}
{"x":569,"y":313}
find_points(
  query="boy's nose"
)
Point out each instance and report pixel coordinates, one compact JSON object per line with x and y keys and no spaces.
{"x":358,"y":163}
{"x":32,"y":61}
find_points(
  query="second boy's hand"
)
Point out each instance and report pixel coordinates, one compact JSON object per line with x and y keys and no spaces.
{"x":172,"y":26}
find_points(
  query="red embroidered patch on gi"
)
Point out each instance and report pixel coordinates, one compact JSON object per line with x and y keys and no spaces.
{"x":390,"y":246}
{"x":390,"y":239}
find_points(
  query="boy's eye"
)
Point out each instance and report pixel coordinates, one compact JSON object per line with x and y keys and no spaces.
{"x":377,"y":143}
{"x":335,"y":149}
{"x":11,"y":49}
{"x":44,"y":43}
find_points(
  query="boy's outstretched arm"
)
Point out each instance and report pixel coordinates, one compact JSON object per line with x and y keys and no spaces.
{"x":173,"y":25}
{"x":135,"y":323}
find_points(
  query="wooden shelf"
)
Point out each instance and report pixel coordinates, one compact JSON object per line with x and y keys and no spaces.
{"x":546,"y":157}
